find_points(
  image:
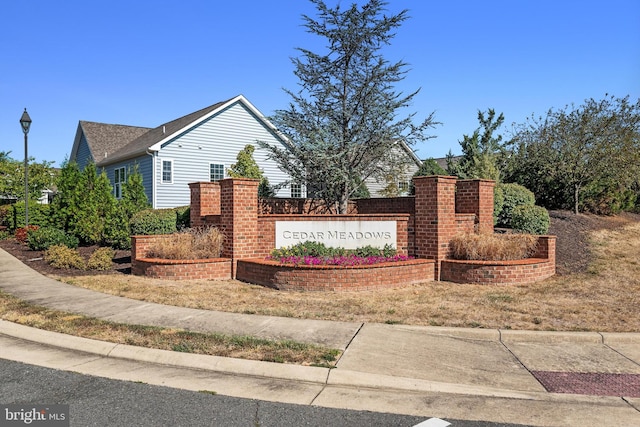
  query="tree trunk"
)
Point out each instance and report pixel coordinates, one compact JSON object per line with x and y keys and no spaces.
{"x":576,"y":197}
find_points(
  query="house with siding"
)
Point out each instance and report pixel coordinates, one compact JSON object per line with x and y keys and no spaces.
{"x":399,"y":167}
{"x":200,"y":146}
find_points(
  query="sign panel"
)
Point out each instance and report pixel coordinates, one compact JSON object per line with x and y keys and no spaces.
{"x":342,"y":234}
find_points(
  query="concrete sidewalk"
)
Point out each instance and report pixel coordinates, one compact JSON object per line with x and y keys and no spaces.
{"x":474,"y":374}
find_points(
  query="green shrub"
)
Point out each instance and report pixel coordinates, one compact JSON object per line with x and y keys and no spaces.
{"x":498,"y":202}
{"x":183,"y":217}
{"x":45,"y":237}
{"x":513,"y":195}
{"x":154,"y":221}
{"x":6,"y":215}
{"x":607,"y":197}
{"x":117,"y":232}
{"x":367,"y":251}
{"x":530,"y":219}
{"x":60,"y":256}
{"x":38,"y":215}
{"x":21,"y":233}
{"x":101,"y":259}
{"x":318,"y":249}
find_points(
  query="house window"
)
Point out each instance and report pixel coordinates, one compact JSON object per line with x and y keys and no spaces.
{"x":296,"y":191}
{"x":216,"y":172}
{"x":403,"y":186}
{"x":119,"y":178}
{"x":167,"y":171}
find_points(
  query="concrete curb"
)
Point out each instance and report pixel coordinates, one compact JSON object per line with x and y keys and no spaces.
{"x":251,"y":368}
{"x":165,"y":357}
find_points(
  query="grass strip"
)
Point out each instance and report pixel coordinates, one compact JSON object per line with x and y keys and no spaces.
{"x":242,"y":347}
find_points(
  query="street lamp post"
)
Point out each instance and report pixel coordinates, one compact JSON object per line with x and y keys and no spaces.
{"x":25,"y":122}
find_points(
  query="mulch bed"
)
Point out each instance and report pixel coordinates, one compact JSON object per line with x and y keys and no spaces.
{"x":35,"y":260}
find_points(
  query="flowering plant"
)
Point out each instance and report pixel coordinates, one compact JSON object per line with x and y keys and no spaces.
{"x":314,"y":253}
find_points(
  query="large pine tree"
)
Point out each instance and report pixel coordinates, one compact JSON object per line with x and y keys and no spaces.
{"x":343,"y":121}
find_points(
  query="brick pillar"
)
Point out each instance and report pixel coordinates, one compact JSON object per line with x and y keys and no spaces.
{"x":476,"y":197}
{"x":205,"y":200}
{"x":435,"y":222}
{"x":239,"y":218}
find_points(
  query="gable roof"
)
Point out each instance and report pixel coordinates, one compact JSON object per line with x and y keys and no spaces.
{"x":104,"y":139}
{"x":121,"y":144}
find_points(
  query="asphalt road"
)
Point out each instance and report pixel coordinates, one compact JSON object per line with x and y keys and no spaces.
{"x":103,"y":402}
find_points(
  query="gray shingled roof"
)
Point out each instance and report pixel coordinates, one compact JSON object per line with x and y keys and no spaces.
{"x":137,"y":146}
{"x":105,"y":139}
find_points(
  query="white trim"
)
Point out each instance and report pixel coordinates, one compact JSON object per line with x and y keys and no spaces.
{"x":162,"y":181}
{"x":120,"y":173}
{"x":241,"y":99}
{"x":224,"y":170}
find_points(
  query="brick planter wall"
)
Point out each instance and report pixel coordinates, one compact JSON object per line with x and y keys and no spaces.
{"x":141,"y":265}
{"x":209,"y":269}
{"x":334,"y":278}
{"x":529,"y":270}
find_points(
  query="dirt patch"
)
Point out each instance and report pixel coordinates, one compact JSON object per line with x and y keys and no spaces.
{"x":573,"y":251}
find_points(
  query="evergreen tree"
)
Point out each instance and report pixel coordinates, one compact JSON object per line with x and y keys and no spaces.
{"x":246,"y":167}
{"x":343,"y":121}
{"x":134,"y":199}
{"x":64,"y":207}
{"x":480,"y":151}
{"x":95,"y":206}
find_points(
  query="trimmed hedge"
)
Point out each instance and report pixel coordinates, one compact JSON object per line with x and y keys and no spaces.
{"x":530,"y":219}
{"x":154,"y":221}
{"x":39,"y":214}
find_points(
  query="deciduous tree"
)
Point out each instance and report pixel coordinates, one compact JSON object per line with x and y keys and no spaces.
{"x":594,"y":147}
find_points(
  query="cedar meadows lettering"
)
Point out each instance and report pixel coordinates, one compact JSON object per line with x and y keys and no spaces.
{"x":341,"y":235}
{"x":336,"y":233}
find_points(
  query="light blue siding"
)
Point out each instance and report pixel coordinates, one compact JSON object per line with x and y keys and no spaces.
{"x":216,"y":140}
{"x":83,"y":156}
{"x":144,"y":167}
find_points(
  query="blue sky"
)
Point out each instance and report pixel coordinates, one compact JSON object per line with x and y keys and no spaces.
{"x":144,"y":63}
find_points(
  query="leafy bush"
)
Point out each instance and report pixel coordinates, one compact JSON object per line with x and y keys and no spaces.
{"x":45,"y":237}
{"x":200,"y":243}
{"x":154,"y":221}
{"x":530,"y":219}
{"x":22,"y":232}
{"x":607,"y":197}
{"x":101,"y":259}
{"x":513,"y":195}
{"x":498,"y":202}
{"x":117,"y":232}
{"x":38,"y":215}
{"x":319,"y":250}
{"x":59,"y":256}
{"x":493,"y":247}
{"x":5,"y":215}
{"x":183,"y":217}
{"x":4,"y":234}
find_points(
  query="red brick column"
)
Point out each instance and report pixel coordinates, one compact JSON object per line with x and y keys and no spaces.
{"x":205,"y":200}
{"x":476,"y":197}
{"x":239,"y":218}
{"x":435,"y":222}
